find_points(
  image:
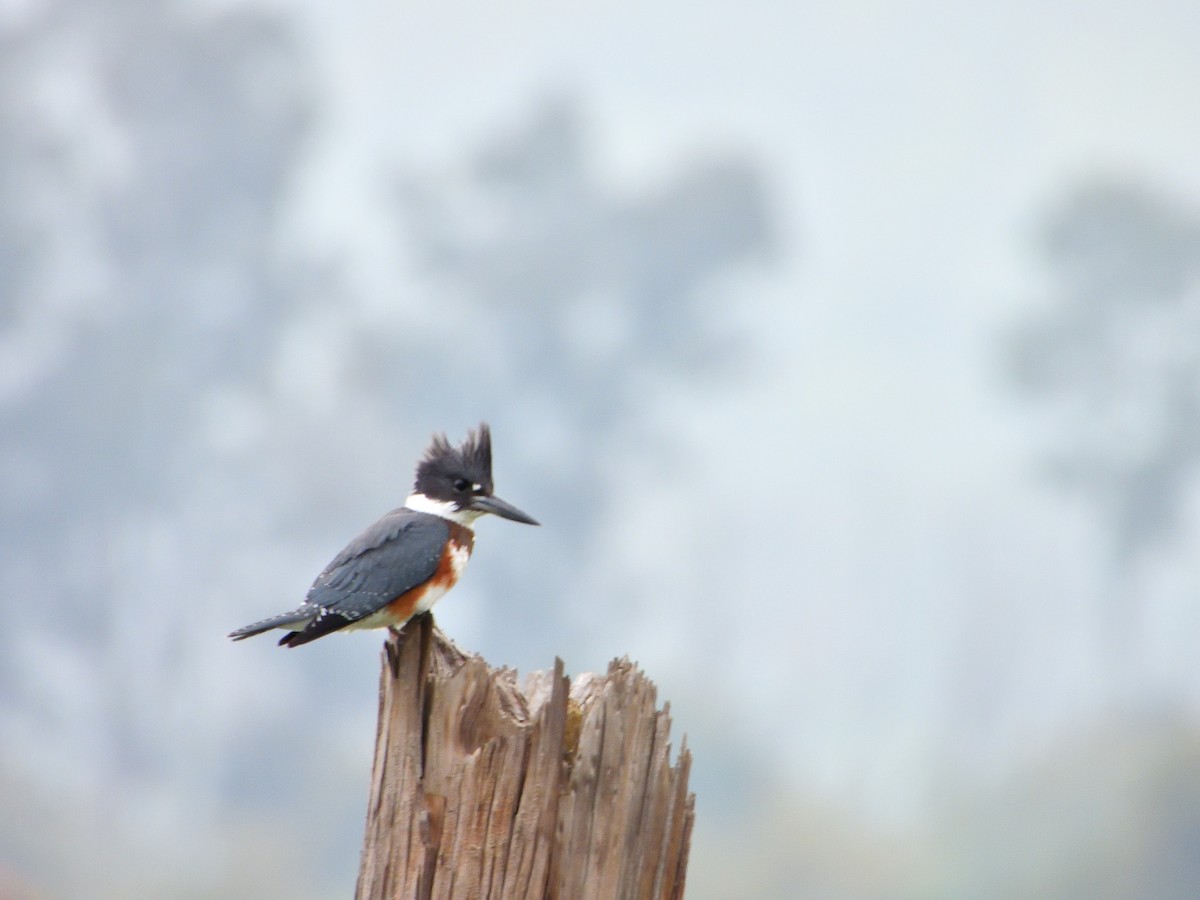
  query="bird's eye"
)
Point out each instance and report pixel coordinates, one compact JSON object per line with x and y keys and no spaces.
{"x":461,"y":484}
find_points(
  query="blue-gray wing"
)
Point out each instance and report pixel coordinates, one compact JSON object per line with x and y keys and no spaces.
{"x":399,"y":552}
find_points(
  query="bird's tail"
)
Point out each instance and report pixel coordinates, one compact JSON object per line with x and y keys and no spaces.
{"x":295,"y":617}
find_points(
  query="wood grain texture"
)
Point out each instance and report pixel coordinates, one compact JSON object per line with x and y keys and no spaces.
{"x":482,"y":789}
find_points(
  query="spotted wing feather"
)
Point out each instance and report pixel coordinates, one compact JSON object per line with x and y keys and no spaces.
{"x":396,"y":554}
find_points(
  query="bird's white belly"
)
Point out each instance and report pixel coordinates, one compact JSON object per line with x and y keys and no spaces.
{"x":459,"y":554}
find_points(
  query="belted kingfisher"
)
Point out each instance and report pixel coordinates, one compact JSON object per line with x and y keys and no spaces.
{"x":405,"y":562}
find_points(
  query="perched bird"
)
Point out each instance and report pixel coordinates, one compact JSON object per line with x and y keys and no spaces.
{"x":405,"y":562}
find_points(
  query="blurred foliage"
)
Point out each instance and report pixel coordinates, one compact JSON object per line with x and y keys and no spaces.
{"x":1110,"y":812}
{"x":176,"y":394}
{"x":191,"y":422}
{"x":567,"y":303}
{"x":1116,"y":352}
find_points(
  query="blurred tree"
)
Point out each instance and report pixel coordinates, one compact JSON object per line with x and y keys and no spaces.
{"x":1117,"y":354}
{"x":578,"y":300}
{"x":165,"y":446}
{"x":144,"y":150}
{"x":1120,"y":352}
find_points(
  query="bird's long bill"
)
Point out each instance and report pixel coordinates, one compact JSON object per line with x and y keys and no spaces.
{"x":501,"y":508}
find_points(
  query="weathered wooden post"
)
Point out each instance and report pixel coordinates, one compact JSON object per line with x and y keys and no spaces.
{"x":483,"y":790}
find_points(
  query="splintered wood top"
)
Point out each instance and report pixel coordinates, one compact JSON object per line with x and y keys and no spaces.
{"x":482,"y":789}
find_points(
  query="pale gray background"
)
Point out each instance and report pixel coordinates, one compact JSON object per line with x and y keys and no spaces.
{"x":848,"y":353}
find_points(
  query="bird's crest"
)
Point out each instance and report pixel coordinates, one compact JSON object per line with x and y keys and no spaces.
{"x":472,"y":459}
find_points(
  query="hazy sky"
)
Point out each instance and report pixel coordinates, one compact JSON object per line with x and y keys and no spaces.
{"x":854,"y":509}
{"x":910,"y":150}
{"x":916,"y":136}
